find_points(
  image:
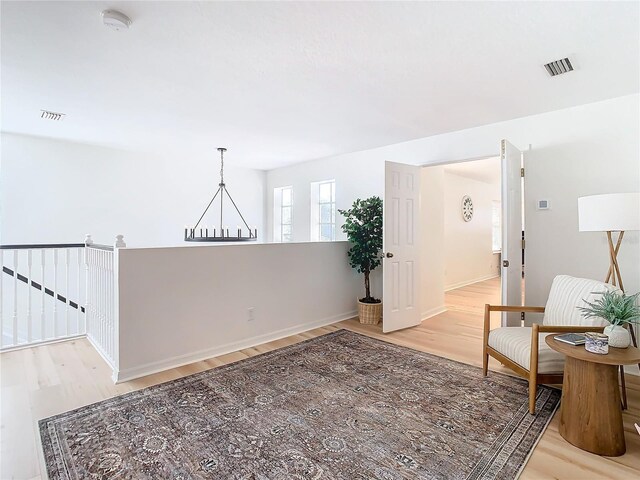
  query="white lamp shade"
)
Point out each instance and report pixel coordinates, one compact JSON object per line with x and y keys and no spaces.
{"x":609,"y":212}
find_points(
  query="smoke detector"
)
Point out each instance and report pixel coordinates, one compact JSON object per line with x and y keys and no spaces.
{"x":49,"y":115}
{"x":558,"y":67}
{"x":115,"y":20}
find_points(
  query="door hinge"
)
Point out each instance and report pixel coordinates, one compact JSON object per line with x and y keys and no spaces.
{"x":505,"y":263}
{"x":522,"y":172}
{"x":522,"y":316}
{"x":523,"y":244}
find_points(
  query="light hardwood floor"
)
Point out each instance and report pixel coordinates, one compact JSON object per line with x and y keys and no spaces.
{"x":46,"y":380}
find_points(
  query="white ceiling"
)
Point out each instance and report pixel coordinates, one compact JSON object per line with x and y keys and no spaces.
{"x":283,"y":82}
{"x":486,"y":170}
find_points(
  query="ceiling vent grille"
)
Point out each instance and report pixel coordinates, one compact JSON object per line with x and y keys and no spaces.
{"x":48,"y":115}
{"x":558,"y":67}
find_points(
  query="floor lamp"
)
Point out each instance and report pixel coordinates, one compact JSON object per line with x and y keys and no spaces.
{"x":611,"y":213}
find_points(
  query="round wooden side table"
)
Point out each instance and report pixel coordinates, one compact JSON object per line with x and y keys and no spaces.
{"x":590,"y":410}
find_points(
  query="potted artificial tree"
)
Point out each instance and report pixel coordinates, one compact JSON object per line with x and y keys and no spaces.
{"x":619,"y":310}
{"x":363,"y":226}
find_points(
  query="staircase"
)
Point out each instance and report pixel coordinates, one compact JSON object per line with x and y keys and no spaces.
{"x":54,"y":292}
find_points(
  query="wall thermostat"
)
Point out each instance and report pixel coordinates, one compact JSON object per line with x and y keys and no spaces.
{"x":544,"y":205}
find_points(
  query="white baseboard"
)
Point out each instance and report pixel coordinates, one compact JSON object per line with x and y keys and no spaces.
{"x":41,"y":342}
{"x":470,"y":282}
{"x":104,"y":356}
{"x":178,"y":361}
{"x":433,"y":312}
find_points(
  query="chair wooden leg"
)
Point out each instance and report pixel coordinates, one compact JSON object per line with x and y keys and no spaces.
{"x":533,"y":390}
{"x":533,"y":368}
{"x":485,"y":340}
{"x":623,"y":388}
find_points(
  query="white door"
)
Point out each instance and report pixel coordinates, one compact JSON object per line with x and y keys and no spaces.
{"x":401,"y":302}
{"x":511,"y":159}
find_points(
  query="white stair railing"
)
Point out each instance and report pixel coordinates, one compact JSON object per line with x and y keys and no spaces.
{"x":41,"y":293}
{"x":102,"y":301}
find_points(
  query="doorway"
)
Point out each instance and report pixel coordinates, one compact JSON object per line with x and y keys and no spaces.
{"x":482,"y":213}
{"x":465,"y":227}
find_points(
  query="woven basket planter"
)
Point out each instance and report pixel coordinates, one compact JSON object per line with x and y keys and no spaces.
{"x":369,"y":313}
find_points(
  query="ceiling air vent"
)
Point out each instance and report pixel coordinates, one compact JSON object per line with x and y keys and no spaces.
{"x":48,"y":115}
{"x":559,"y":67}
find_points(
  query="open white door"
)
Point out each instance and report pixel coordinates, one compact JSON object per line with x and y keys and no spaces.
{"x":511,"y":159}
{"x":401,"y":302}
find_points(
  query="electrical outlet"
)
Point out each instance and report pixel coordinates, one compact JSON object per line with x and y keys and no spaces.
{"x":251,"y":314}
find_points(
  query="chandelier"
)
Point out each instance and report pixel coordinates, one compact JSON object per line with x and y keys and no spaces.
{"x":220,"y":233}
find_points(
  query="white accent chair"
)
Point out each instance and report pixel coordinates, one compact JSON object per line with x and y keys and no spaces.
{"x":524,"y":350}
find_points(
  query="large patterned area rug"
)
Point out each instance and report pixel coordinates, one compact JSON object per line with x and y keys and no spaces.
{"x":340,"y":406}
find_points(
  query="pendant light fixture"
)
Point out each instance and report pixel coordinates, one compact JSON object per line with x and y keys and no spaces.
{"x":220,"y":233}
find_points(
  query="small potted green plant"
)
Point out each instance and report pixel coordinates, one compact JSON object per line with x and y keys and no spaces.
{"x":363,"y":226}
{"x":618,"y":309}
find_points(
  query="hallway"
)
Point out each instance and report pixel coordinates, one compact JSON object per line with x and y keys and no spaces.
{"x":472,"y":298}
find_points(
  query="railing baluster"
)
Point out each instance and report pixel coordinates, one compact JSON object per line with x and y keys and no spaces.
{"x":15,"y":297}
{"x":89,"y":308}
{"x":79,"y":302}
{"x":2,"y":299}
{"x":111,"y":306}
{"x":104,"y":300}
{"x":29,"y":315}
{"x":55,"y":293}
{"x":67,"y":293}
{"x":103,"y":316}
{"x":43,"y":261}
{"x":99,"y":302}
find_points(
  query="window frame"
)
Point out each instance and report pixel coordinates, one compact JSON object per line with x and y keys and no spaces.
{"x":279,"y":207}
{"x":317,"y":204}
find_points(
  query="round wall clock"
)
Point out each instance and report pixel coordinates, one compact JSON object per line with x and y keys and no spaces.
{"x":467,"y":208}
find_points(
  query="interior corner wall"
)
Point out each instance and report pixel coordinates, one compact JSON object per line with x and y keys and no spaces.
{"x":357,"y":175}
{"x":432,"y":241}
{"x":54,"y":191}
{"x":582,"y":150}
{"x":469,"y":256}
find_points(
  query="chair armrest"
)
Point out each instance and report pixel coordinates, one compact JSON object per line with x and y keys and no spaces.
{"x":536,"y":329}
{"x":507,"y":308}
{"x":503,"y":308}
{"x":568,"y":329}
{"x":486,"y":326}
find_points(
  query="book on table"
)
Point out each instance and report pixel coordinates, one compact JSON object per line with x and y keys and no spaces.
{"x":572,"y":338}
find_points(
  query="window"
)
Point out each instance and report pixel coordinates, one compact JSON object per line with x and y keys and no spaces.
{"x":323,"y":211}
{"x":283,"y":214}
{"x":496,"y":226}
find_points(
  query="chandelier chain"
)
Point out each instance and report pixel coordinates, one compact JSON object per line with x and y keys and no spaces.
{"x":221,"y":165}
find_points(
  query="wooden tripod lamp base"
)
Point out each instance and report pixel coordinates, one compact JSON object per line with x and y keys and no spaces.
{"x":613,"y":275}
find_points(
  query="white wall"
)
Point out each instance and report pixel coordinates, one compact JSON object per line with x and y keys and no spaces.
{"x":468,"y":245}
{"x":56,"y":191}
{"x":179,"y":305}
{"x":576,"y":151}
